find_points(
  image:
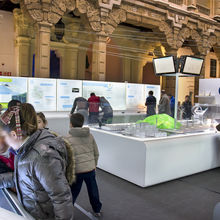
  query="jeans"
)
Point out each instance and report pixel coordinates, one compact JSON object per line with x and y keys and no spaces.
{"x":107,"y":118}
{"x":92,"y":189}
{"x":93,"y":117}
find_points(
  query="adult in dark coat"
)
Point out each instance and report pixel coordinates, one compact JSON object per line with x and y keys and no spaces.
{"x":151,"y":102}
{"x":187,"y":108}
{"x":81,"y":105}
{"x":164,"y":104}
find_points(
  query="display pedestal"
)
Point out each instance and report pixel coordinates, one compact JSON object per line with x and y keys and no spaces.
{"x":150,"y":161}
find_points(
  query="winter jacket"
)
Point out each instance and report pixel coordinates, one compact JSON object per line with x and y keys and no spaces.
{"x":80,"y":103}
{"x":94,"y":104}
{"x":8,"y":160}
{"x":187,"y":110}
{"x":164,"y":105}
{"x":105,"y":106}
{"x":151,"y":102}
{"x":4,"y":168}
{"x":39,"y":177}
{"x":85,"y":149}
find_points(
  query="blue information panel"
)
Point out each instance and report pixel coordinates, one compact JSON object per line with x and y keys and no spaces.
{"x":135,"y":96}
{"x":67,"y":91}
{"x":42,"y":94}
{"x":12,"y":88}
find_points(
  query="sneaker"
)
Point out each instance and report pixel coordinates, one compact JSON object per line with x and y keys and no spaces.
{"x":97,"y":214}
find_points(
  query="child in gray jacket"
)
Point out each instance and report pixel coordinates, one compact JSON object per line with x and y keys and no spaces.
{"x":86,"y":155}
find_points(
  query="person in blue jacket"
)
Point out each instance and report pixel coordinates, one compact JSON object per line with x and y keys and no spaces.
{"x":172,"y":105}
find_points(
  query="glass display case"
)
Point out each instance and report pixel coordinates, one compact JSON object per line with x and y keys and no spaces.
{"x":145,"y":130}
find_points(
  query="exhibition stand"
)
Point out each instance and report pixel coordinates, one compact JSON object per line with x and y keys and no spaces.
{"x":149,"y":161}
{"x":58,"y":95}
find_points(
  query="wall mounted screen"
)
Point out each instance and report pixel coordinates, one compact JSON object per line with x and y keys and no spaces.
{"x":164,"y":65}
{"x":192,"y":66}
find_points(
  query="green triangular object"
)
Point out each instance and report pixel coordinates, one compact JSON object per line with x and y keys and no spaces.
{"x":163,"y":121}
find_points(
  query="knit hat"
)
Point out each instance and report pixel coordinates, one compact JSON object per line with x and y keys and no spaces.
{"x":7,"y":116}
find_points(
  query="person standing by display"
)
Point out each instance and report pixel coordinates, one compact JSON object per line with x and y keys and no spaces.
{"x":94,"y":102}
{"x":107,"y":110}
{"x":151,"y":102}
{"x":40,"y":165}
{"x":187,"y":108}
{"x":81,"y":106}
{"x":86,"y":154}
{"x":172,"y":104}
{"x":164,"y":104}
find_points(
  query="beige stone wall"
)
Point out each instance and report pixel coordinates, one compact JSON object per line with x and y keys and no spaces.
{"x":7,"y":47}
{"x":207,"y":65}
{"x":148,"y":33}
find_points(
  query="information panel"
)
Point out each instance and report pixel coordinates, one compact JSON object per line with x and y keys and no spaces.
{"x":155,"y":89}
{"x":135,"y":96}
{"x":209,"y":88}
{"x":113,"y":92}
{"x":12,"y":88}
{"x":42,"y":94}
{"x":67,"y":91}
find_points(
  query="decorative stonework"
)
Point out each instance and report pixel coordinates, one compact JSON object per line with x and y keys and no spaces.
{"x":49,"y":11}
{"x":108,"y":4}
{"x":102,"y":19}
{"x":175,"y":36}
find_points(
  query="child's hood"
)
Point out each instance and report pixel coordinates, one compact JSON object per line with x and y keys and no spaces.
{"x":79,"y":132}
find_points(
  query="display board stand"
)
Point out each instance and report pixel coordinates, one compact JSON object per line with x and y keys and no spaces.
{"x":177,"y":75}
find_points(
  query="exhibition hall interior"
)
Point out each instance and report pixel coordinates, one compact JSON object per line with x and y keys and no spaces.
{"x":110,"y":109}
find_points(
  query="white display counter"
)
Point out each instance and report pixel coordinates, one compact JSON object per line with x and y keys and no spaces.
{"x":150,"y":161}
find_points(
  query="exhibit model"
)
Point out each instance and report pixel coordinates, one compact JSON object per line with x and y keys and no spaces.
{"x":145,"y":155}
